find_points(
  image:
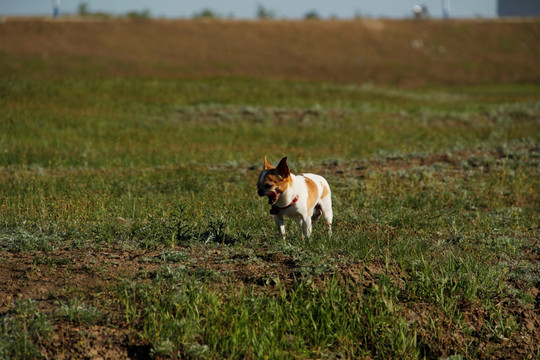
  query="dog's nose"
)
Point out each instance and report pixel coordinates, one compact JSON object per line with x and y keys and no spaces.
{"x":260,"y":192}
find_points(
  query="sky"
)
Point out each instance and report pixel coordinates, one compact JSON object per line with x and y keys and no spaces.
{"x":247,"y":9}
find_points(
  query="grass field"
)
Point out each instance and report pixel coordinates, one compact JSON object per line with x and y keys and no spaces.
{"x":130,"y":226}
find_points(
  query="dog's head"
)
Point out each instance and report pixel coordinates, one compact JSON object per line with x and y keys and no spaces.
{"x":274,"y":181}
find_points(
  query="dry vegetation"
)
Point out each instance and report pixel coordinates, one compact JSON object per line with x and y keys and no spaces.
{"x":382,"y":52}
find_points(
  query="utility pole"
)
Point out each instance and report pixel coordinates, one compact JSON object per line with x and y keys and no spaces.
{"x":446,"y":9}
{"x":56,"y":8}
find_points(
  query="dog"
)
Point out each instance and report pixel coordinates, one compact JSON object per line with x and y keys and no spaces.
{"x":304,"y":197}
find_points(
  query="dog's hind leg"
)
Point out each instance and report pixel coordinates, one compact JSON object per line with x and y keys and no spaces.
{"x":326,"y":209}
{"x":316,"y":213}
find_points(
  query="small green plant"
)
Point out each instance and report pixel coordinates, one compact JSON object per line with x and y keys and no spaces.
{"x":77,"y":312}
{"x":22,"y":330}
{"x":21,"y":240}
{"x":184,"y":229}
{"x":217,"y":231}
{"x":500,"y":325}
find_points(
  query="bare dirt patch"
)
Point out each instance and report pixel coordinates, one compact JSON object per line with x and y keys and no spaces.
{"x":455,"y":160}
{"x":54,"y":278}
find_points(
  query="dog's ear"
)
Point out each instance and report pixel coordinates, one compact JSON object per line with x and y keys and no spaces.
{"x":283,"y":168}
{"x":267,"y":165}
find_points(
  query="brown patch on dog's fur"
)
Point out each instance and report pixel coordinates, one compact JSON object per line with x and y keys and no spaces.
{"x":325,"y":192}
{"x":313,"y":193}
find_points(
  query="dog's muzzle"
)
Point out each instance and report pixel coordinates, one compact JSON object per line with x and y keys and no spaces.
{"x":272,"y":197}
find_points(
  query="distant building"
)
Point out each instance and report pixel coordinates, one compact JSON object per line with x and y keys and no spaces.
{"x":518,"y":8}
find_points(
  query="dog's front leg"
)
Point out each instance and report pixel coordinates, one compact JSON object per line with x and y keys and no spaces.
{"x":280,"y":224}
{"x":306,"y":226}
{"x":300,"y":223}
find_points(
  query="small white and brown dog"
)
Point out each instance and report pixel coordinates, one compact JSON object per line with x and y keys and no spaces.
{"x":304,"y":197}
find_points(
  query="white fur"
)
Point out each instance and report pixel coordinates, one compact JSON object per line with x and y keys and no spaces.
{"x":299,"y":210}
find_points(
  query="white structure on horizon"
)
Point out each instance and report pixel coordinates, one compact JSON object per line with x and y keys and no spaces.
{"x":420,"y":12}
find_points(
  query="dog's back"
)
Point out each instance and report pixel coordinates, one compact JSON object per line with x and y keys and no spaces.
{"x":323,"y":205}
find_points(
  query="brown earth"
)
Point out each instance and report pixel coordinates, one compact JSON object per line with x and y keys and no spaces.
{"x":92,"y":276}
{"x":395,"y":52}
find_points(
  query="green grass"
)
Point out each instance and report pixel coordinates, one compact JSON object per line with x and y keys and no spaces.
{"x":435,"y":198}
{"x":183,"y":316}
{"x":22,"y":329}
